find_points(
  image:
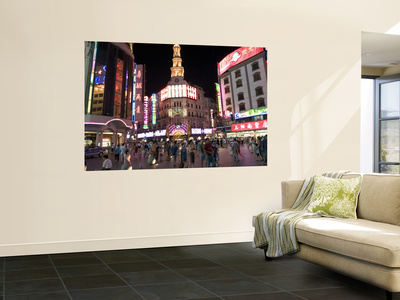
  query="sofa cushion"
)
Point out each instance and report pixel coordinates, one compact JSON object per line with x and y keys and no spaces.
{"x":335,"y":197}
{"x":362,"y":239}
{"x":379,"y":198}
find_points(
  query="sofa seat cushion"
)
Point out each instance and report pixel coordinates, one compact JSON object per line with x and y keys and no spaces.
{"x":361,"y":239}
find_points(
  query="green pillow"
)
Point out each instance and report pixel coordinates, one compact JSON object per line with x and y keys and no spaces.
{"x":335,"y":197}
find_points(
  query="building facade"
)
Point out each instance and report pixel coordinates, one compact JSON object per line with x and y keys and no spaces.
{"x":109,"y":89}
{"x":242,"y":77}
{"x":181,"y":109}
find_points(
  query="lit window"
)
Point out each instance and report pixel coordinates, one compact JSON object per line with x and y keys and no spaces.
{"x":260,"y":103}
{"x":259,"y":91}
{"x":239,"y":83}
{"x":237,"y":74}
{"x":257,"y":76}
{"x":255,"y":66}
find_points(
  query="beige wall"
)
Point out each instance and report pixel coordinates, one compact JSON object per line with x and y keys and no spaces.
{"x":49,"y":204}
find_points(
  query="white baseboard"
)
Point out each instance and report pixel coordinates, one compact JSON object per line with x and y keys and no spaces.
{"x":124,"y":243}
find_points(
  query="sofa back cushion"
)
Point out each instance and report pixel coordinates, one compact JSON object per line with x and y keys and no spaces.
{"x":379,"y":198}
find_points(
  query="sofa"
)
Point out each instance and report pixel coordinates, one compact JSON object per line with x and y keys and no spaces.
{"x":366,"y":248}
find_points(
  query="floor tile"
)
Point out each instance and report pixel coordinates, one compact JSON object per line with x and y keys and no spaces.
{"x":168,"y":253}
{"x":265,"y":269}
{"x":70,"y":260}
{"x":237,"y":286}
{"x":266,"y":296}
{"x":219,"y":272}
{"x":188,"y":263}
{"x":42,"y":296}
{"x":33,"y":286}
{"x":237,"y":259}
{"x":26,"y":262}
{"x":152,"y":277}
{"x":84,"y":270}
{"x":92,"y":282}
{"x":173,"y":291}
{"x":136,"y":267}
{"x":121,"y":256}
{"x":295,"y":282}
{"x":119,"y":293}
{"x":31,"y":274}
{"x":348,"y":293}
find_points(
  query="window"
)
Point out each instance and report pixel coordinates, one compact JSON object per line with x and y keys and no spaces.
{"x":237,"y":74}
{"x":227,"y":90}
{"x":228,"y":101}
{"x":255,"y":66}
{"x":226,"y":81}
{"x":387,"y":137}
{"x":242,"y":106}
{"x":260,"y":102}
{"x":239,"y":83}
{"x":257,"y":76}
{"x":259,"y":91}
{"x":240,"y":96}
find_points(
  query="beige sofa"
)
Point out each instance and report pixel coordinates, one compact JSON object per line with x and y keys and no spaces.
{"x":368,"y":248}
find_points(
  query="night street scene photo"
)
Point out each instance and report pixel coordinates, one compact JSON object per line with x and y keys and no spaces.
{"x":165,"y":106}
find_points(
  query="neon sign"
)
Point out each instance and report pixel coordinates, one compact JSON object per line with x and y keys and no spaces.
{"x":152,"y":134}
{"x":178,"y":128}
{"x":89,"y":108}
{"x":202,"y":131}
{"x":146,"y":113}
{"x":134,"y":94}
{"x":250,"y":126}
{"x":154,"y":103}
{"x":252,"y":113}
{"x":237,"y":57}
{"x":178,"y":91}
{"x":218,"y":99}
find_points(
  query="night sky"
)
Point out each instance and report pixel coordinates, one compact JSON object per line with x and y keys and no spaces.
{"x":199,"y":62}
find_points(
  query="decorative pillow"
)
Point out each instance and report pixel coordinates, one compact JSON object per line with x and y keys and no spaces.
{"x":335,"y":197}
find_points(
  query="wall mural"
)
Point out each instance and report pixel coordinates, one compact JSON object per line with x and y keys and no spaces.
{"x":165,"y":106}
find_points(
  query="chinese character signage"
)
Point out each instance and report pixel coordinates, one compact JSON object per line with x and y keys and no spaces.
{"x":237,"y":57}
{"x":251,"y":113}
{"x":263,"y":124}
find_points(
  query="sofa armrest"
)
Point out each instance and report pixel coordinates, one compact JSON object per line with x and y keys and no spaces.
{"x":290,"y":191}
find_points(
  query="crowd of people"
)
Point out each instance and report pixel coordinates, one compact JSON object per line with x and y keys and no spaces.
{"x":183,"y":153}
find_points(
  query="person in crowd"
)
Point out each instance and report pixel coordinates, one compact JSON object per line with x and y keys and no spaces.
{"x":127,"y":161}
{"x":208,"y":149}
{"x":192,"y":148}
{"x":174,"y":152}
{"x":122,"y":151}
{"x":216,"y":153}
{"x":116,"y":153}
{"x":235,"y":149}
{"x":183,"y":156}
{"x":107,"y":164}
{"x":167,"y":151}
{"x":201,"y":152}
{"x":265,"y":148}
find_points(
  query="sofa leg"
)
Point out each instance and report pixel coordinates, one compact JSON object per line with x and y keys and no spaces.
{"x":265,"y":255}
{"x":389,"y":295}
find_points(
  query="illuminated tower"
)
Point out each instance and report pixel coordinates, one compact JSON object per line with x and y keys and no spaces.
{"x":177,"y":69}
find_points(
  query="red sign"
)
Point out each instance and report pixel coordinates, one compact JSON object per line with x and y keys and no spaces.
{"x":237,"y":57}
{"x":250,"y":126}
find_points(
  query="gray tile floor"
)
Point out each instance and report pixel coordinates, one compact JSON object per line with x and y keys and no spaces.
{"x":207,"y":272}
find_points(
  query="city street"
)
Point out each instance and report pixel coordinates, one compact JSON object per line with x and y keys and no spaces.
{"x":249,"y":159}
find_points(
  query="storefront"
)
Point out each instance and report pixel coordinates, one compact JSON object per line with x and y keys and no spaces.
{"x":249,"y":129}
